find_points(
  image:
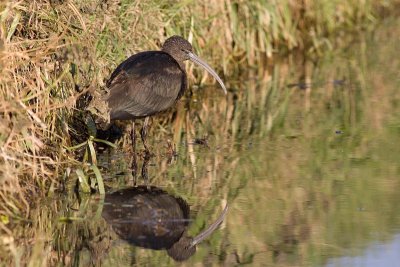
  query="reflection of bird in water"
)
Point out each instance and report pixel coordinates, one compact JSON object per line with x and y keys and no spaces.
{"x":151,"y":218}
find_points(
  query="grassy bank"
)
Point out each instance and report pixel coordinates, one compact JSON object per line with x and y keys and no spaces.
{"x":51,"y":52}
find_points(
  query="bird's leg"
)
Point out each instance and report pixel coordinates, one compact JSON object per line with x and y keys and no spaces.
{"x":143,"y":134}
{"x":134,"y":162}
{"x":133,"y":137}
{"x":145,"y":173}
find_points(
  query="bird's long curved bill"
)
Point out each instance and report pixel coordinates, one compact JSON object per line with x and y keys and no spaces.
{"x":203,"y":235}
{"x":200,"y":62}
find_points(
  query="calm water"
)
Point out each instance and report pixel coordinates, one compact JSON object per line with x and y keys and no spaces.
{"x":305,"y":153}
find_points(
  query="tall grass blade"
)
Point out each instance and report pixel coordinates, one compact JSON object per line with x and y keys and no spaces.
{"x":99,"y":179}
{"x":83,"y":181}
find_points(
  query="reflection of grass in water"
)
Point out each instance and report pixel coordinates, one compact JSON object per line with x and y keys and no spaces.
{"x":323,"y":193}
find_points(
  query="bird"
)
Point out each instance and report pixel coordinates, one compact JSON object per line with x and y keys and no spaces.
{"x":150,"y":82}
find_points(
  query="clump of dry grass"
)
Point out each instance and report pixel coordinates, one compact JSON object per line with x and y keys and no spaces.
{"x":50,"y":55}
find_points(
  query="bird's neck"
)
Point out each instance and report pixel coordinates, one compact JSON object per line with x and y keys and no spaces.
{"x":175,"y":55}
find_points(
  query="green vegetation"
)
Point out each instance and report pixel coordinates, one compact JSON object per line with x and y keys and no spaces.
{"x":52,"y":52}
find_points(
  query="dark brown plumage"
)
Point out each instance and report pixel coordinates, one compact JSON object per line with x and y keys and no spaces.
{"x":138,"y":89}
{"x":150,"y":82}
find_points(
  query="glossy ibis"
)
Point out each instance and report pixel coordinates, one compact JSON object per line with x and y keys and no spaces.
{"x":149,"y":217}
{"x":150,"y":82}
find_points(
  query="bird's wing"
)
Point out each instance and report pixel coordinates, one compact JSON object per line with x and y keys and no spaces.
{"x":145,"y":84}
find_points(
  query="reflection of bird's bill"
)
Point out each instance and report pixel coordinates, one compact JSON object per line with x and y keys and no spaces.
{"x":202,"y":63}
{"x":203,"y":235}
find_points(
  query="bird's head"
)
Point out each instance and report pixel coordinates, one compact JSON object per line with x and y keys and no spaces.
{"x":181,"y":50}
{"x":178,"y":48}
